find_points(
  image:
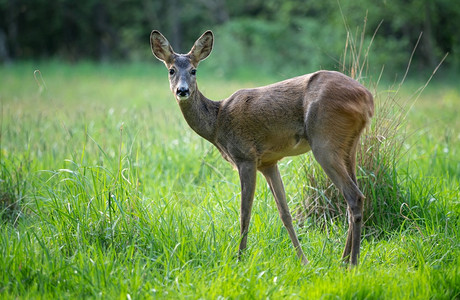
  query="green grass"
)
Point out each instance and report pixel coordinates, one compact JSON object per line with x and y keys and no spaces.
{"x":106,"y":193}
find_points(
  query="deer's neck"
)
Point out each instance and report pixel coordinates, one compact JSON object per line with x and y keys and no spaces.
{"x":201,"y":114}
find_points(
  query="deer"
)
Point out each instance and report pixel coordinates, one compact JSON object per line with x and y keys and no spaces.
{"x":324,"y":112}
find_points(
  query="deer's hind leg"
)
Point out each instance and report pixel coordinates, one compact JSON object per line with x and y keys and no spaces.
{"x":335,"y":166}
{"x":351,"y":168}
{"x":334,"y":147}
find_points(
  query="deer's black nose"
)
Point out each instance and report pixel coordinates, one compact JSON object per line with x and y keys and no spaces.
{"x":182,"y":91}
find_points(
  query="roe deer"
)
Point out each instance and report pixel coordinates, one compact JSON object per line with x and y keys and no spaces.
{"x":254,"y":128}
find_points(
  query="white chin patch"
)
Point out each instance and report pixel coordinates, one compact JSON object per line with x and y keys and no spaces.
{"x":181,"y":98}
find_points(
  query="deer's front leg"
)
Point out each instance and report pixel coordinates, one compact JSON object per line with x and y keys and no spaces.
{"x":247,"y":172}
{"x":275,"y":182}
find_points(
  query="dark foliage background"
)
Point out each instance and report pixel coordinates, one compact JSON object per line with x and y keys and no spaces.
{"x":306,"y":34}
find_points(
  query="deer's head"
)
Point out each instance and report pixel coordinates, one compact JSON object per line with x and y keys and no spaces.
{"x":182,"y":67}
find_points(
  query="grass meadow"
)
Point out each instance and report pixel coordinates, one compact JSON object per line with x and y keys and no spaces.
{"x":107,"y":193}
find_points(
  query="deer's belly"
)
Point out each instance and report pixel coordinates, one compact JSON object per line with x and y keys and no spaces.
{"x":285,"y":147}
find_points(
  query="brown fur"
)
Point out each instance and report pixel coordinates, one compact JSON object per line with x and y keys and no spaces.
{"x":254,"y":128}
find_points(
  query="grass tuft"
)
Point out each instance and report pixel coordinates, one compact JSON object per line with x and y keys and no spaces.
{"x":380,"y":155}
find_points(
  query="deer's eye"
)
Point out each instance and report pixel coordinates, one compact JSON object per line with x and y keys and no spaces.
{"x":171,"y":71}
{"x":193,"y":72}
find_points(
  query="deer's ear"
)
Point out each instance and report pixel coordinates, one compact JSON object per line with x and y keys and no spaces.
{"x":202,"y":47}
{"x":161,"y":47}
